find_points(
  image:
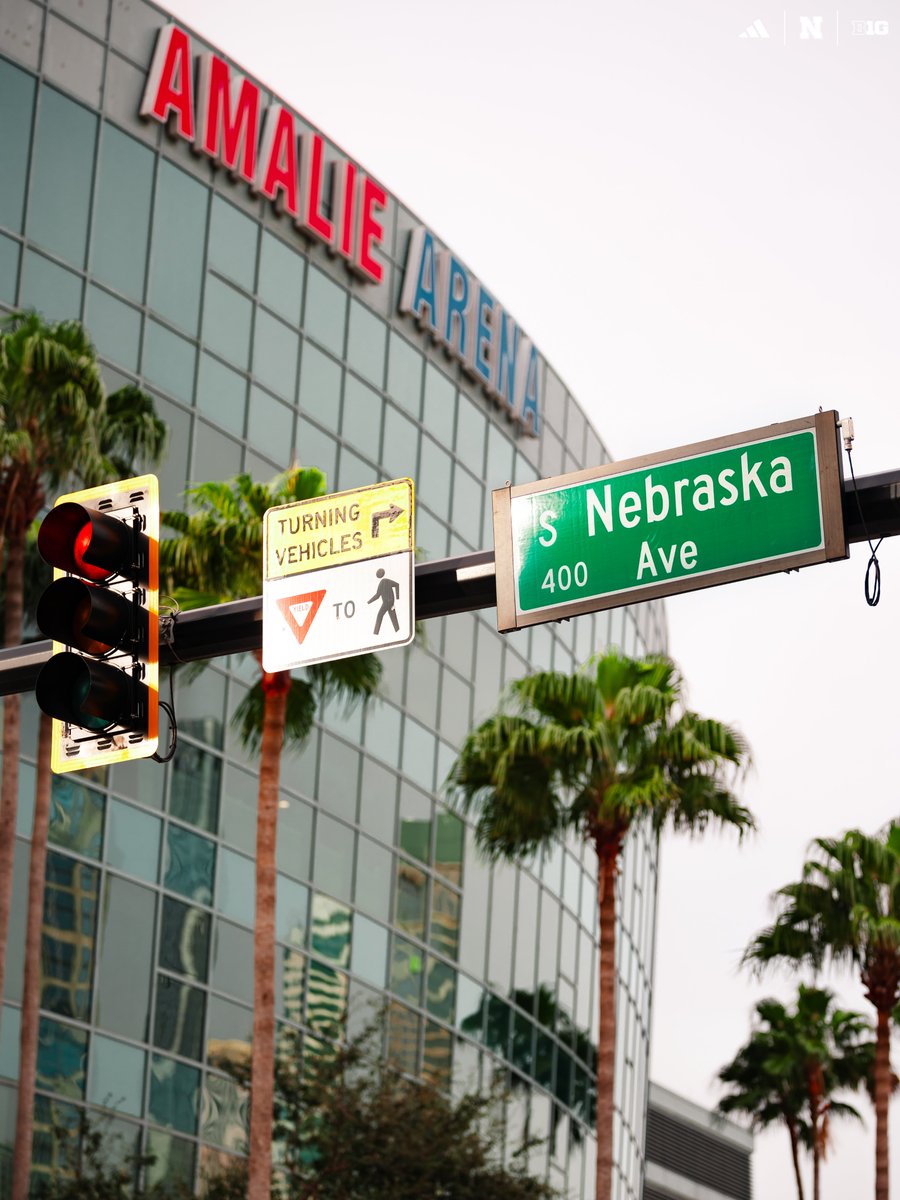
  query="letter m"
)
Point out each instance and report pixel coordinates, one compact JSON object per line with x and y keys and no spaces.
{"x":227,"y":117}
{"x":811,"y":27}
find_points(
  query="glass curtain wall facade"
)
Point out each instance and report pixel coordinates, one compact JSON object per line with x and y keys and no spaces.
{"x":260,"y":348}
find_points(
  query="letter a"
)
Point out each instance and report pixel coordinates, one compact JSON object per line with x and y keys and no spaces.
{"x":169,"y":94}
{"x":781,"y":471}
{"x":646,"y":563}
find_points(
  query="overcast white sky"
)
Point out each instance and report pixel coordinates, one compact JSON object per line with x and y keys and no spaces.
{"x":700,"y":232}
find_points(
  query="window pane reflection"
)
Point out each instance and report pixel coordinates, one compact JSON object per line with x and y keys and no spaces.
{"x":444,"y":929}
{"x":331,"y":930}
{"x":225,"y":1113}
{"x":412,"y":892}
{"x":67,"y":943}
{"x":440,"y":998}
{"x":190,"y":864}
{"x":228,"y":1035}
{"x":403,"y":1038}
{"x":290,"y":983}
{"x":76,"y":817}
{"x":406,"y":971}
{"x":366,"y":343}
{"x":280,"y":277}
{"x":179,"y":1018}
{"x":132,"y":841}
{"x":16,"y":96}
{"x":333,"y":864}
{"x":370,"y":946}
{"x":179,"y":221}
{"x":325,"y":311}
{"x":438,"y":1055}
{"x":232,"y":242}
{"x":174,"y":1094}
{"x":196,"y":776}
{"x":173,"y":1160}
{"x":326,"y":1000}
{"x":275,"y":349}
{"x":405,"y":374}
{"x":49,"y":1151}
{"x":373,"y":878}
{"x":117,"y":1075}
{"x":291,"y":911}
{"x":63,"y":149}
{"x":61,"y":1056}
{"x":122,"y":212}
{"x":233,"y":961}
{"x":184,"y":939}
{"x":127,"y":922}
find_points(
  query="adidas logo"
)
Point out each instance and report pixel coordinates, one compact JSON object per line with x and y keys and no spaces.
{"x":756,"y":30}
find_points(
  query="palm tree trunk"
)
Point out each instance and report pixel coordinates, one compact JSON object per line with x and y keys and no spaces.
{"x":262,"y":1071}
{"x":12,"y":725}
{"x":606,"y":1050}
{"x":817,"y":1157}
{"x":795,"y":1157}
{"x":882,"y":1100}
{"x":31,"y":992}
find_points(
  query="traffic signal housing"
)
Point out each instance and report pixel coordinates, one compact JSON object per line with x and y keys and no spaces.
{"x":101,"y":685}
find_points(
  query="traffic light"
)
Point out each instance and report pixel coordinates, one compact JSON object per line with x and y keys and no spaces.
{"x":102,"y":610}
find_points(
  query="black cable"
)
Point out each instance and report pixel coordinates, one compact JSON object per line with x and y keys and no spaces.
{"x":173,"y":723}
{"x":167,"y":633}
{"x":872,"y":583}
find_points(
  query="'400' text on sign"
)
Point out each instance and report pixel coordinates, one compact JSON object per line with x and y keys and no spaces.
{"x":706,"y":514}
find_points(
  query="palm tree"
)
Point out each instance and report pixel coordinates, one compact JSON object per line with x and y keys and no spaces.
{"x":845,"y":909}
{"x":593,"y":753}
{"x":791,"y":1067}
{"x":59,"y":423}
{"x":216,"y":555}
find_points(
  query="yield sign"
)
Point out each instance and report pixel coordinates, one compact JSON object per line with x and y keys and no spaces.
{"x":300,"y":611}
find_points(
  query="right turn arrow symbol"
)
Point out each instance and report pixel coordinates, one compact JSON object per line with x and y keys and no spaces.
{"x":387,"y":514}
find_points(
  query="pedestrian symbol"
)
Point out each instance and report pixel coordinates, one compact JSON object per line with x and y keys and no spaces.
{"x":388,"y":591}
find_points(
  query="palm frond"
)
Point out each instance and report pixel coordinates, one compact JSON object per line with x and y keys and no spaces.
{"x":594,"y":751}
{"x":300,"y":714}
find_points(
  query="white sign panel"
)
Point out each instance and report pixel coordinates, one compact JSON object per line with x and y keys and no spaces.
{"x":339,"y":576}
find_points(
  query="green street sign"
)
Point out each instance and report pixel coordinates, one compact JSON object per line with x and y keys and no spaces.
{"x":711,"y":513}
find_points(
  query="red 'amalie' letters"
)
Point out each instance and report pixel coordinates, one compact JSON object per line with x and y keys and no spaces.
{"x":222,"y":116}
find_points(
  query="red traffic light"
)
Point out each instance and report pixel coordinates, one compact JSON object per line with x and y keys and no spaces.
{"x":88,"y":543}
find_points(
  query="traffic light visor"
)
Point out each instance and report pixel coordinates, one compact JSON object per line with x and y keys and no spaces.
{"x":94,"y":619}
{"x":85,"y":542}
{"x":91,"y":694}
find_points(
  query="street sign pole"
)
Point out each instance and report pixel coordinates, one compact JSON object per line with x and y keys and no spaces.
{"x":714,"y":512}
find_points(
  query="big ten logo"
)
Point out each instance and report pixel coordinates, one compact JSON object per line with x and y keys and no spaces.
{"x":869,"y":28}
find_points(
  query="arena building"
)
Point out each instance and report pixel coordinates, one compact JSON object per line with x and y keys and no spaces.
{"x":282,"y":305}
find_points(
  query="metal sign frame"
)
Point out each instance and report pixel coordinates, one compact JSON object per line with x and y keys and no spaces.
{"x":830,"y":482}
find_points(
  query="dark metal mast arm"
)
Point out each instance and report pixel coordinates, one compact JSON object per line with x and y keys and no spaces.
{"x":448,"y":585}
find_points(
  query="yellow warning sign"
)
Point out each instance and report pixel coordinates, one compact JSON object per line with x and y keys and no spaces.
{"x":345,"y":527}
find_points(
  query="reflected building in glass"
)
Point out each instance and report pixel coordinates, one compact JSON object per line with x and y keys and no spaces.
{"x":310,"y":334}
